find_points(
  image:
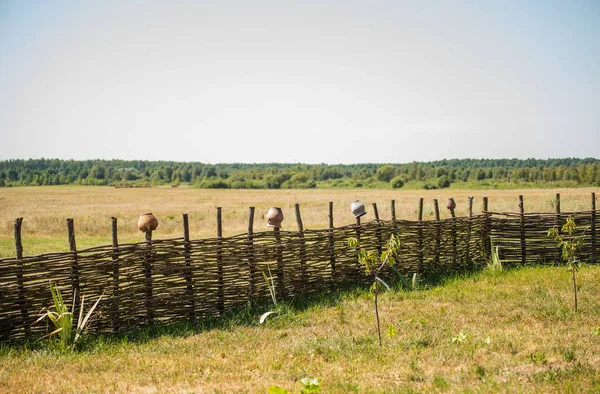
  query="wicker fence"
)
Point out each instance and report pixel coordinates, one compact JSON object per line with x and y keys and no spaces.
{"x":173,"y":279}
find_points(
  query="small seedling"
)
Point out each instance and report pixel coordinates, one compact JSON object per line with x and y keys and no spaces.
{"x":391,"y":331}
{"x":374,"y":264}
{"x":459,"y":338}
{"x":309,"y":385}
{"x":480,"y":371}
{"x":569,"y":245}
{"x":538,"y":358}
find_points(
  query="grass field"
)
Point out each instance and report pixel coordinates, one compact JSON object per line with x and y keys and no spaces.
{"x":507,"y":331}
{"x":493,"y":331}
{"x":44,"y":210}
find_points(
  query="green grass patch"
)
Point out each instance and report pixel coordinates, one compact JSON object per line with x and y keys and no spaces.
{"x":507,"y":331}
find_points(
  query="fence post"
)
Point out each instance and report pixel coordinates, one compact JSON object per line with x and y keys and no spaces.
{"x":74,"y":263}
{"x":20,"y":283}
{"x":378,"y":230}
{"x":251,"y":259}
{"x":302,"y":245}
{"x":116,"y":274}
{"x":393,"y":209}
{"x":469,"y":225}
{"x":471,"y":206}
{"x":280,"y":266}
{"x":522,"y":230}
{"x":557,"y":224}
{"x":487,"y":231}
{"x":220,"y":280}
{"x":357,"y":263}
{"x":557,"y":211}
{"x":451,"y":208}
{"x":332,"y":247}
{"x":148,"y":278}
{"x":420,"y":236}
{"x":593,"y":229}
{"x":189,"y":285}
{"x":438,"y":232}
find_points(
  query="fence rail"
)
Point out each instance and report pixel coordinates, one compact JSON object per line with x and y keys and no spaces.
{"x":173,"y":279}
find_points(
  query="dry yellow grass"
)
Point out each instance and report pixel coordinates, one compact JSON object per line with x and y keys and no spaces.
{"x":45,"y":209}
{"x":519,"y":333}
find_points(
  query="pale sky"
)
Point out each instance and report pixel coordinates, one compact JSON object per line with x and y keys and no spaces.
{"x":299,"y":81}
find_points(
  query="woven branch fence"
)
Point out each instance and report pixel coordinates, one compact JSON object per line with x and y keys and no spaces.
{"x":174,"y":279}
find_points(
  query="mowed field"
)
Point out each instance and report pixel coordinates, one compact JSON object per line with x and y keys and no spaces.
{"x":45,"y":209}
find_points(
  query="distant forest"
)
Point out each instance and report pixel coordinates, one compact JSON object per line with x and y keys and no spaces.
{"x":455,"y":173}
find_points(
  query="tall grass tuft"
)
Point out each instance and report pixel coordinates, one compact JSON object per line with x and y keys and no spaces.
{"x":495,"y":264}
{"x":272,"y":291}
{"x":62,"y":318}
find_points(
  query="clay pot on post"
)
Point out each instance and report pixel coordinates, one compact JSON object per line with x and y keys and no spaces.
{"x":274,"y":217}
{"x":450,"y":204}
{"x":358,"y":209}
{"x":147,"y":222}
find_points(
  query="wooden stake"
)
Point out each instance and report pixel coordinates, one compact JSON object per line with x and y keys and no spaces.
{"x":453,"y":235}
{"x":221,"y":280}
{"x":375,"y":211}
{"x":378,"y":230}
{"x":18,"y":243}
{"x":189,"y":284}
{"x":116,"y":274}
{"x":357,"y":263}
{"x":251,"y":259}
{"x":471,"y":207}
{"x":557,"y":224}
{"x":438,"y":232}
{"x":522,"y":230}
{"x":74,"y":262}
{"x":469,"y":229}
{"x":280,"y":266}
{"x":302,"y":253}
{"x":298,"y":218}
{"x":148,"y":278}
{"x":331,"y":242}
{"x":420,"y":240}
{"x":594,"y":255}
{"x":487,"y":244}
{"x":20,"y":280}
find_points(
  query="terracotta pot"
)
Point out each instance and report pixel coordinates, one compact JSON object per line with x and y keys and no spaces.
{"x":450,"y":204}
{"x":274,"y":217}
{"x":147,"y":222}
{"x":358,"y":209}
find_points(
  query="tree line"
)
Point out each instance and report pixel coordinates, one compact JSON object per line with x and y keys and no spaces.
{"x":482,"y":173}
